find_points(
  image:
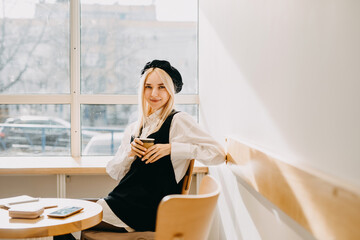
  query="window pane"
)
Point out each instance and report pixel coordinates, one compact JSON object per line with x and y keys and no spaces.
{"x":34,"y":52}
{"x":28,"y":130}
{"x":117,"y":40}
{"x":106,"y":124}
{"x":192,"y":109}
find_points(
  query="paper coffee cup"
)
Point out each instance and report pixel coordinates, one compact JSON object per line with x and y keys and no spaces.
{"x":147,"y":142}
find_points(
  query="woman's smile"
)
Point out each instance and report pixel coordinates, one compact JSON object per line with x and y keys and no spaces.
{"x":155,"y":100}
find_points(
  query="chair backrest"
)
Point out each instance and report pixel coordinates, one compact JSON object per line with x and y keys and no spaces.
{"x":187,"y":178}
{"x":188,"y":216}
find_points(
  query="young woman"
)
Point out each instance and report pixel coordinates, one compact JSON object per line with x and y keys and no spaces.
{"x":147,"y":175}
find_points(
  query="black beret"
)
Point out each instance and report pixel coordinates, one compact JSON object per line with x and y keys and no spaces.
{"x":166,"y":66}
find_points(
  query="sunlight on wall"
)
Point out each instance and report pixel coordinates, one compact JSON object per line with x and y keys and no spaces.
{"x":234,"y":215}
{"x":245,"y":110}
{"x":246,"y":215}
{"x":309,"y":208}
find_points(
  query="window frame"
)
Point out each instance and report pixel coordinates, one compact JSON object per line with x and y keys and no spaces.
{"x":75,"y":98}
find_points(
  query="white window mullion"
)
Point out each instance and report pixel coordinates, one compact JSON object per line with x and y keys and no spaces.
{"x":75,"y":77}
{"x":130,"y":99}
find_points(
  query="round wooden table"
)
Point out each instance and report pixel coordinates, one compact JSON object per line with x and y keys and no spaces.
{"x":45,"y":226}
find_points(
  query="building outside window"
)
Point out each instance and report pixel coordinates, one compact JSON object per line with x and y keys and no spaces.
{"x":69,"y":70}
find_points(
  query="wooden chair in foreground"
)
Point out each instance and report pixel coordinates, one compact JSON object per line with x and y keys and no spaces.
{"x":179,"y":217}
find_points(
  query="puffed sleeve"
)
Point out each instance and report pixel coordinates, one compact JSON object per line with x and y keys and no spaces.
{"x":121,"y":163}
{"x":189,"y":141}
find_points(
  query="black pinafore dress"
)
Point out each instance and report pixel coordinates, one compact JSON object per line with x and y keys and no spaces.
{"x":136,"y":198}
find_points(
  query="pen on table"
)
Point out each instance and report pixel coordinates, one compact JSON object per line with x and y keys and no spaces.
{"x":50,"y":206}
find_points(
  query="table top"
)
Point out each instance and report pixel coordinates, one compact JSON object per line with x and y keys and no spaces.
{"x":45,"y":226}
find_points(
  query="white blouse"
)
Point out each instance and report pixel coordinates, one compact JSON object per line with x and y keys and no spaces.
{"x":188,"y":141}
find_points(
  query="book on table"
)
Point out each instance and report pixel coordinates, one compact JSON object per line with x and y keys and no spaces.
{"x":26,"y":211}
{"x":6,"y":203}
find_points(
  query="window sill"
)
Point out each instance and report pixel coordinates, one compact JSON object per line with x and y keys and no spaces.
{"x":63,"y":165}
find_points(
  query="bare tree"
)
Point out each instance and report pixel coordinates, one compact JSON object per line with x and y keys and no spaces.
{"x":18,"y":42}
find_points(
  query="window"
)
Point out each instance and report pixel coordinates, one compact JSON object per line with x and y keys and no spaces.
{"x":69,"y":70}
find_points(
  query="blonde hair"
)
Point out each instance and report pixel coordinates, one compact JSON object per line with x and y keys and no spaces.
{"x":145,"y":109}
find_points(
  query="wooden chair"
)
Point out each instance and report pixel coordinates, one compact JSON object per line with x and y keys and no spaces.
{"x":179,"y":217}
{"x":187,"y":178}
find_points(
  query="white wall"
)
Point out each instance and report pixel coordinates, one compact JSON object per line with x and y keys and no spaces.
{"x":284,"y":76}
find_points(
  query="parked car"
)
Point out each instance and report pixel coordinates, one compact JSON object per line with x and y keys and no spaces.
{"x":104,"y":144}
{"x":29,"y":131}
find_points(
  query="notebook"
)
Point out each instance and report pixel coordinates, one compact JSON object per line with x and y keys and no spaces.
{"x":6,"y":203}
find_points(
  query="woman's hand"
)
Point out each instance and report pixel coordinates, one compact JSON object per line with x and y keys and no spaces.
{"x":137,"y":148}
{"x":156,"y":152}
